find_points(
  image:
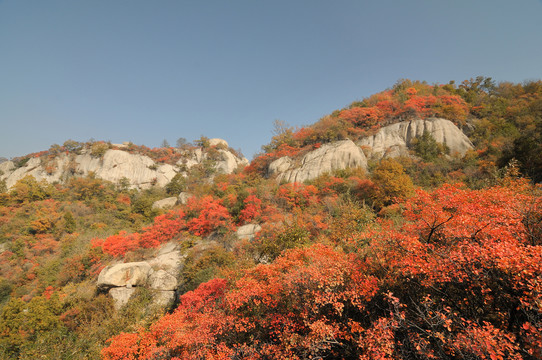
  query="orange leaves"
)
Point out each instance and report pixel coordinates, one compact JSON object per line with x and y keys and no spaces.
{"x":252,"y":209}
{"x":486,"y":342}
{"x":202,"y":216}
{"x":461,"y":264}
{"x":118,"y":245}
{"x":164,"y":229}
{"x":298,"y":195}
{"x":208,"y":214}
{"x":183,"y":333}
{"x":361,"y":116}
{"x":284,"y":309}
{"x":420,"y":106}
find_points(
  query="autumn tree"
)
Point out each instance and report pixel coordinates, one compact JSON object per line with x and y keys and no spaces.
{"x":391,"y":181}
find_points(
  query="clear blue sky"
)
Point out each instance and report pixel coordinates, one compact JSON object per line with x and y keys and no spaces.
{"x":145,"y":71}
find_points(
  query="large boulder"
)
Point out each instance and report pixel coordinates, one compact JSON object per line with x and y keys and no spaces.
{"x":165,"y":203}
{"x":247,"y":231}
{"x":218,"y":142}
{"x":328,"y":158}
{"x":159,"y":274}
{"x":395,"y":140}
{"x":128,"y":274}
{"x":163,"y":298}
{"x":121,"y":295}
{"x":115,"y":165}
{"x":183,"y":198}
{"x":228,"y":162}
{"x":162,"y":280}
{"x":169,"y":258}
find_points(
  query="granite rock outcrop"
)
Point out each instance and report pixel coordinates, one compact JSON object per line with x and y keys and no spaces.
{"x":394,"y":140}
{"x":328,"y":158}
{"x":118,"y":165}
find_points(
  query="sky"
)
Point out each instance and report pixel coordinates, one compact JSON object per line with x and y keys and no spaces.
{"x":148,"y":71}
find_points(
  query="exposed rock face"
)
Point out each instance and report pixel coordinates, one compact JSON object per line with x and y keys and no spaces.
{"x":118,"y":164}
{"x":159,"y":274}
{"x":121,"y":295}
{"x":128,"y":274}
{"x":7,"y":166}
{"x":247,"y":231}
{"x":162,"y":280}
{"x":183,"y":198}
{"x":141,"y":171}
{"x":163,"y":298}
{"x":390,"y":141}
{"x":229,"y":162}
{"x":218,"y":142}
{"x":165,"y":203}
{"x":333,"y":156}
{"x":394,"y":140}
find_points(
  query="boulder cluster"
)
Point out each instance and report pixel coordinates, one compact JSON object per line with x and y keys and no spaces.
{"x":160,"y":275}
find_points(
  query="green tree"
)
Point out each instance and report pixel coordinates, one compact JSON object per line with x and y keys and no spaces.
{"x":427,"y":147}
{"x":69,"y":222}
{"x":292,"y":237}
{"x":22,"y":323}
{"x":176,"y":185}
{"x":73,"y":146}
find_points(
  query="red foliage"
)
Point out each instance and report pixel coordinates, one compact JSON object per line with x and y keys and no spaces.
{"x":252,"y":209}
{"x":460,"y":278}
{"x":298,"y":195}
{"x":164,"y":228}
{"x":207,"y":215}
{"x":362,"y":116}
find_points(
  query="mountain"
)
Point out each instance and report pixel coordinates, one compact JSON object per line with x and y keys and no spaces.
{"x":405,"y":225}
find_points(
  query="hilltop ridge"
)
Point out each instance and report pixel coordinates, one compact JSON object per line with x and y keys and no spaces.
{"x":139,"y":167}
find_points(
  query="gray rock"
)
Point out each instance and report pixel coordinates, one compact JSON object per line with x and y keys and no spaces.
{"x":165,"y":203}
{"x":183,"y":198}
{"x":128,"y":274}
{"x":216,"y":142}
{"x":169,"y":259}
{"x":163,"y":298}
{"x":280,"y":165}
{"x":159,"y":274}
{"x":229,"y":162}
{"x":116,"y":164}
{"x":121,"y":295}
{"x":394,"y":140}
{"x":333,"y":156}
{"x":247,"y":231}
{"x":162,"y":280}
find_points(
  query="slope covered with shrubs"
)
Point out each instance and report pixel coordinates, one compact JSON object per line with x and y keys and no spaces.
{"x":426,"y":257}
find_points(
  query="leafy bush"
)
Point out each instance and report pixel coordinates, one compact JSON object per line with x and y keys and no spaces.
{"x":427,"y":147}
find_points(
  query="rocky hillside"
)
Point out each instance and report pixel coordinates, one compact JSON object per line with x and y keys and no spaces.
{"x":390,"y":141}
{"x":122,"y":163}
{"x":380,"y":229}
